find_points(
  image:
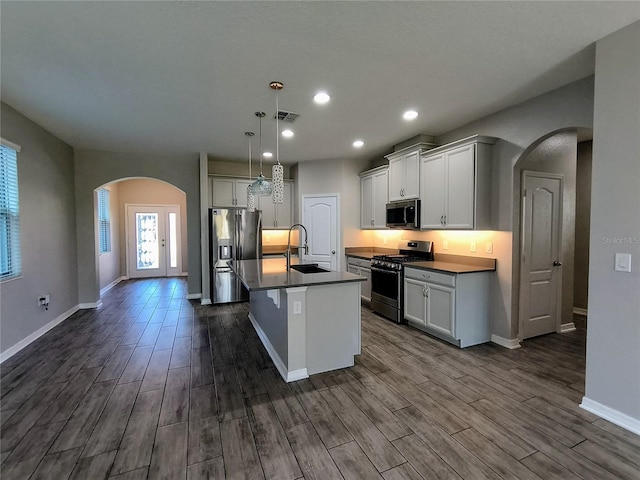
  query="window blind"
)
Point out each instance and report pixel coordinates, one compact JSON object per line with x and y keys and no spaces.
{"x":10,"y":251}
{"x":104,"y":221}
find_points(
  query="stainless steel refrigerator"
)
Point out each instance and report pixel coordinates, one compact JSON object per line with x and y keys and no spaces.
{"x":235,"y":234}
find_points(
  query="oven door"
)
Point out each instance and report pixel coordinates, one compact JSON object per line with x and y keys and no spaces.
{"x":385,"y":286}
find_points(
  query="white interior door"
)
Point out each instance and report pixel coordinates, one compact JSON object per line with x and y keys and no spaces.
{"x":320,"y":217}
{"x":153,"y":241}
{"x":540,"y":272}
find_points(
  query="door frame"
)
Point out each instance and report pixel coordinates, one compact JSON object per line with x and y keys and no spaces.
{"x":127,"y":236}
{"x":339,"y":247}
{"x":524,"y":292}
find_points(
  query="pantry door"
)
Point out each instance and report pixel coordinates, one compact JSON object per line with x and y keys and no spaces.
{"x":320,"y":215}
{"x":540,"y":263}
{"x":153,"y":241}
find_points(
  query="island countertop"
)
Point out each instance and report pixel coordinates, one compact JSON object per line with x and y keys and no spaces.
{"x":270,"y":273}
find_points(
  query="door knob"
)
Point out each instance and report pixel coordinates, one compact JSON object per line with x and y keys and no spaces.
{"x":557,"y":263}
{"x":333,"y":252}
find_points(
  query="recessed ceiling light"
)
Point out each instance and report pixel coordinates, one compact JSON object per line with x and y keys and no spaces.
{"x":358,"y":143}
{"x":267,"y":154}
{"x":321,"y":98}
{"x":410,"y":115}
{"x":287,"y":133}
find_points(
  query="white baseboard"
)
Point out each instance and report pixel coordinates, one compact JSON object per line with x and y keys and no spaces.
{"x":194,"y":296}
{"x":183,"y":274}
{"x":111,"y":285}
{"x":567,"y":327}
{"x":614,"y":416}
{"x":206,"y":301}
{"x":510,"y":343}
{"x":84,"y":306}
{"x":11,"y":351}
{"x":580,"y":311}
{"x":282,"y":369}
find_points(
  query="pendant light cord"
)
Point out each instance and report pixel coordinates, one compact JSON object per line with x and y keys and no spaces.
{"x":277,"y":129}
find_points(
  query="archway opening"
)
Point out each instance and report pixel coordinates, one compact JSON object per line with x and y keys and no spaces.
{"x":564,"y":153}
{"x":114,"y":228}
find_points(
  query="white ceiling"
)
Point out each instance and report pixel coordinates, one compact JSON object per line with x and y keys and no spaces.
{"x":180,"y":77}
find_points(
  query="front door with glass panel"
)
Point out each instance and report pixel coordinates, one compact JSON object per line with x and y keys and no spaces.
{"x":153,"y":240}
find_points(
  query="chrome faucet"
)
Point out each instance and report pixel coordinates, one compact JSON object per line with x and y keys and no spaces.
{"x":305,"y":246}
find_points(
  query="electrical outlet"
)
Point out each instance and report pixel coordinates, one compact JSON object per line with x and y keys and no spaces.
{"x":445,"y":245}
{"x":623,"y":262}
{"x":43,"y":301}
{"x":384,"y":240}
{"x":473,"y":246}
{"x":489,"y":247}
{"x":297,"y":307}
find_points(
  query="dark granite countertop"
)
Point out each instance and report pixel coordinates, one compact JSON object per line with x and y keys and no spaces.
{"x":267,"y":274}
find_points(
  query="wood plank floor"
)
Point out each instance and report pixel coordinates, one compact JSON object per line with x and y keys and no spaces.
{"x":151,"y":386}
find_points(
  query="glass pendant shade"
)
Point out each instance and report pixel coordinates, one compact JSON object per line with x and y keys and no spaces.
{"x":278,"y":183}
{"x":261,"y":187}
{"x":251,"y":200}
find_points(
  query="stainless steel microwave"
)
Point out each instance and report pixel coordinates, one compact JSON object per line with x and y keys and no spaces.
{"x":405,"y":214}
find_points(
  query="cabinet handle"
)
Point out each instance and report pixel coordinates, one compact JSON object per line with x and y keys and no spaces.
{"x":441,"y":219}
{"x":445,"y":219}
{"x":424,"y":291}
{"x":427,"y":292}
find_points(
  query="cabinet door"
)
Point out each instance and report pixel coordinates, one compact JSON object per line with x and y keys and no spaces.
{"x":268,"y":209}
{"x":441,"y":308}
{"x":365,"y":291}
{"x":241,"y":192}
{"x":460,"y":193}
{"x":396,"y":179}
{"x":380,"y":197}
{"x":415,"y":305}
{"x":284,"y":210}
{"x":222,"y":192}
{"x":433,"y":191}
{"x":411,"y":175}
{"x":366,"y":202}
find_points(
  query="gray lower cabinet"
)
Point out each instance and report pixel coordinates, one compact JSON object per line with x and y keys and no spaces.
{"x":453,"y":307}
{"x":362,"y":267}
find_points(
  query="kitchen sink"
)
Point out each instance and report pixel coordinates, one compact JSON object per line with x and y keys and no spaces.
{"x":309,"y":268}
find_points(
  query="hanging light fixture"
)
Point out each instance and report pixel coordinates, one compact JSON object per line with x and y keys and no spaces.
{"x":251,"y":199}
{"x":260,"y":187}
{"x":277,"y":174}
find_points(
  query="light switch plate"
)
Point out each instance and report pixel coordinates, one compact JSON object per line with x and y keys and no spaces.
{"x":473,"y":246}
{"x":489,"y":247}
{"x":623,"y":262}
{"x":445,"y":245}
{"x":297,"y":307}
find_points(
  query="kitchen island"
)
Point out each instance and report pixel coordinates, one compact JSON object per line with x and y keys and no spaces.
{"x":308,"y":322}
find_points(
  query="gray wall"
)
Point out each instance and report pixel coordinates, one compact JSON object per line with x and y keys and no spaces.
{"x":583,"y":225}
{"x":93,"y":169}
{"x":47,"y":227}
{"x":518,"y":128}
{"x":556,"y":154}
{"x":613,"y":353}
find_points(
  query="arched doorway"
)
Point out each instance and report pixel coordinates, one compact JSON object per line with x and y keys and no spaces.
{"x":547,"y":277}
{"x":140,"y":203}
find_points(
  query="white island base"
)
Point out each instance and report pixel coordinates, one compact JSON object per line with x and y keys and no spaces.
{"x":310,"y":329}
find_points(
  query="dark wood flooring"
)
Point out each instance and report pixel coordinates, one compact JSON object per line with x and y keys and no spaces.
{"x":153,"y":386}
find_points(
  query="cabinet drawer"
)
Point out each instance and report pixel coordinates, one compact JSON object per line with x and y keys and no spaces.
{"x":430,"y":276}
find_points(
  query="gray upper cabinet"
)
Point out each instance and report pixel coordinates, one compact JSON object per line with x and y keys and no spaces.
{"x":228,"y":192}
{"x":404,"y":181}
{"x":455,"y":185}
{"x":277,"y":215}
{"x":373,"y":198}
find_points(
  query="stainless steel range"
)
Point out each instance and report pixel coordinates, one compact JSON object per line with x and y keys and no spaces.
{"x":387,"y":277}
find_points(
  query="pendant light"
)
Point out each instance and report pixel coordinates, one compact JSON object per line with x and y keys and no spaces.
{"x":261,"y":187}
{"x":277,"y":174}
{"x":251,"y":199}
